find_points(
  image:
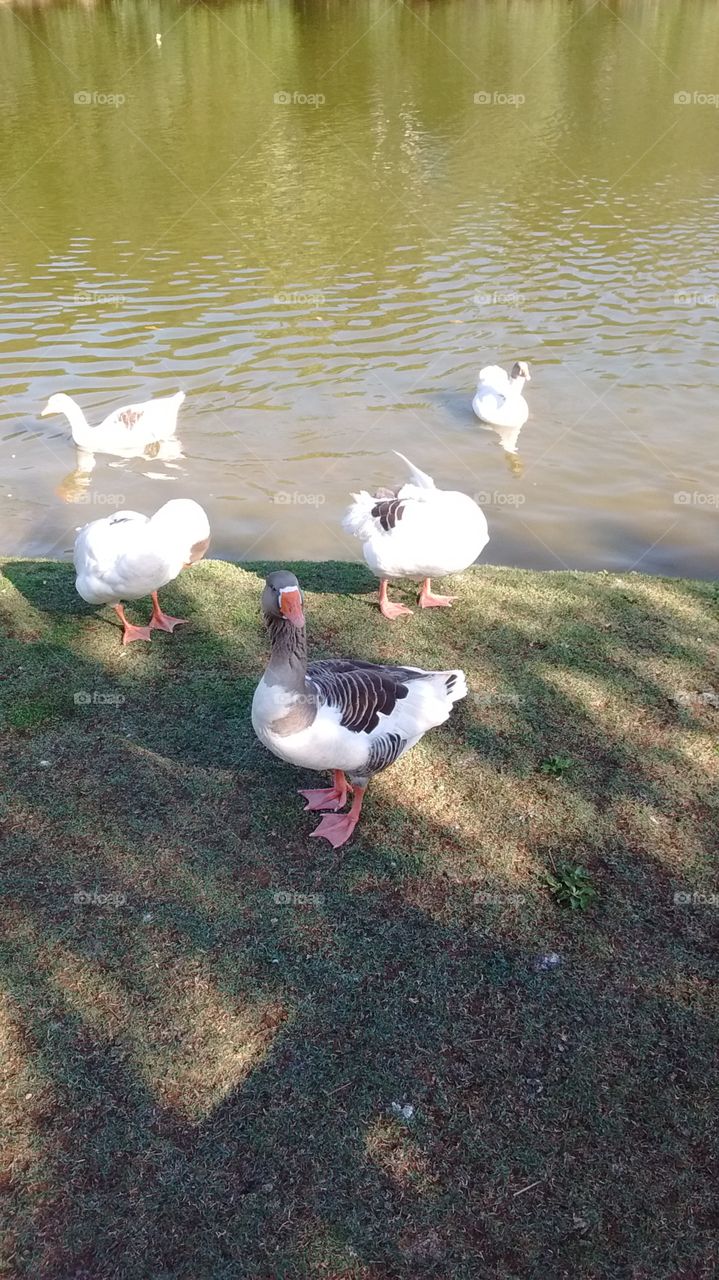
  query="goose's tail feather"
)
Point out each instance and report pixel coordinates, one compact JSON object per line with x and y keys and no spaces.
{"x":420,"y":478}
{"x":358,"y":519}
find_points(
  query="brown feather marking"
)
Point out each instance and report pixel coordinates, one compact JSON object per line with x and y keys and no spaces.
{"x":198,"y":549}
{"x":130,"y":417}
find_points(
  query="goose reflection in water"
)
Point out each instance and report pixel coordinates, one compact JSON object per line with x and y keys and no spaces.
{"x":508,"y":439}
{"x":76,"y":483}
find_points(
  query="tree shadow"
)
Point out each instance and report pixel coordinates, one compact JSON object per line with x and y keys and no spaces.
{"x":214,"y":1061}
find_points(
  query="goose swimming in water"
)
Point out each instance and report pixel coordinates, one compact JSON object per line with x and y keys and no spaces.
{"x":342,"y":715}
{"x":498,"y":399}
{"x":127,"y":432}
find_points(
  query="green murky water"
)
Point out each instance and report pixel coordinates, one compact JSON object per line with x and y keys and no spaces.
{"x":320,"y":219}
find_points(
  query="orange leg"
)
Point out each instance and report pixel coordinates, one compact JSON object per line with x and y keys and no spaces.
{"x":130,"y":632}
{"x":429,"y":601}
{"x":334,"y":797}
{"x":338,"y":827}
{"x":388,"y":608}
{"x":161,"y":620}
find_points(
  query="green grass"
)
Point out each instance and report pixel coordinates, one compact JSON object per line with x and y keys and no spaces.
{"x":205,"y":1016}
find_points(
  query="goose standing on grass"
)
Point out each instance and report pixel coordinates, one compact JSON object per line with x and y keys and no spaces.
{"x":133,"y":430}
{"x":416,"y":531}
{"x":498,"y":399}
{"x":339,"y":714}
{"x":128,"y":555}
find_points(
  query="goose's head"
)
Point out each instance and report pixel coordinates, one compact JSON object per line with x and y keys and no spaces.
{"x":520,"y":369}
{"x":57,"y":404}
{"x":282,"y":598}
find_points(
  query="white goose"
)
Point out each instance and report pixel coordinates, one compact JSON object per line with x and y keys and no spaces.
{"x":339,"y":714}
{"x":498,"y":399}
{"x":128,"y":432}
{"x":416,"y":531}
{"x":128,"y":555}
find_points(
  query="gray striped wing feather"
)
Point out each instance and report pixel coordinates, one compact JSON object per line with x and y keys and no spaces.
{"x":388,"y":513}
{"x":361,"y":691}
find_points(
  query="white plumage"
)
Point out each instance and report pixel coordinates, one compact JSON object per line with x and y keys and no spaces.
{"x":498,"y":399}
{"x":419,"y":532}
{"x":127,"y":432}
{"x":128,"y":555}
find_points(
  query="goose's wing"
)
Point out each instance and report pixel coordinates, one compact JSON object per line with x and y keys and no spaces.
{"x":100,"y":540}
{"x":361,"y":691}
{"x":128,"y":417}
{"x":114,"y":560}
{"x":151,"y":416}
{"x":492,"y":378}
{"x":371,"y":516}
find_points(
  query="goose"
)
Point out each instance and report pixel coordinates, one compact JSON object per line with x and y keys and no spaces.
{"x":128,"y":555}
{"x":416,"y":531}
{"x":134,"y":429}
{"x":498,"y":399}
{"x":339,"y":714}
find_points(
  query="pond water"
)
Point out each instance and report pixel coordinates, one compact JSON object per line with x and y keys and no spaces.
{"x":321,"y":219}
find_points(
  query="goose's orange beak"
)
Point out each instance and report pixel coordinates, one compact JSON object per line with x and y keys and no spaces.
{"x":291,"y":606}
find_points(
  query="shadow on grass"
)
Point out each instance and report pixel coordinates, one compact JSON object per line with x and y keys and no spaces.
{"x":206,"y":1070}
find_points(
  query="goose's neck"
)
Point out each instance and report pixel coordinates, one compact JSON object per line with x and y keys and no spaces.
{"x":288,"y":659}
{"x":517,"y":385}
{"x":79,"y":425}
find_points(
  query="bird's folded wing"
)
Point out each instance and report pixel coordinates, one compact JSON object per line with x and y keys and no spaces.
{"x":361,"y":691}
{"x":494,"y":378}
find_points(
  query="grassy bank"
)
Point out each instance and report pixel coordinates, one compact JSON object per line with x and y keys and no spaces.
{"x":206,"y":1017}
